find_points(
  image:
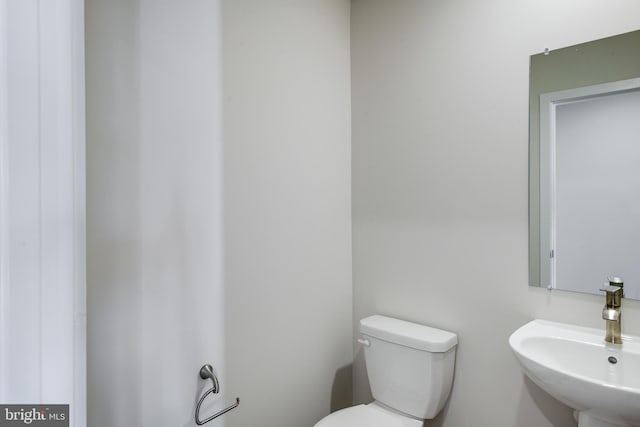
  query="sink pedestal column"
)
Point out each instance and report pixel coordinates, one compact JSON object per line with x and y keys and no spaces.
{"x":587,"y":420}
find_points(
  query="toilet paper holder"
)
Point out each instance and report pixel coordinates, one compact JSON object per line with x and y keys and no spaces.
{"x":207,"y":372}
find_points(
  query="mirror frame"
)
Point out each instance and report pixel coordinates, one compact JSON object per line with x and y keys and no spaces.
{"x":601,"y":61}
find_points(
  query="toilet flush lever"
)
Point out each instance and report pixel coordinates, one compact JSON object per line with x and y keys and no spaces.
{"x":365,"y":342}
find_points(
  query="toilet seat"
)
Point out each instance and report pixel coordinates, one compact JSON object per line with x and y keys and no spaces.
{"x":370,"y":415}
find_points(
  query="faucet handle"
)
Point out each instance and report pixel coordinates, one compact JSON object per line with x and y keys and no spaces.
{"x":615,"y":281}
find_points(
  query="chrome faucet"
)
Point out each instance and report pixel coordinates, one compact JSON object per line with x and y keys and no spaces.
{"x":611,"y":311}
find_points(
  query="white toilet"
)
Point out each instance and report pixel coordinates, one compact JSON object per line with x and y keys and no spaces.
{"x":410,"y":370}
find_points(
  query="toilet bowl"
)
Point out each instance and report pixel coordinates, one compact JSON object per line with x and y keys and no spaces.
{"x":410,"y":370}
{"x":371,"y":415}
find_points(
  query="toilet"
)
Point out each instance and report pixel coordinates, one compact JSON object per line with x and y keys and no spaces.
{"x":410,"y":369}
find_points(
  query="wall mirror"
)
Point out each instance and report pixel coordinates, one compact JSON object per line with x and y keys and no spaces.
{"x":584,"y":165}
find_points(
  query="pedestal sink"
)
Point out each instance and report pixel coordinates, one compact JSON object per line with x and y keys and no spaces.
{"x":574,"y":364}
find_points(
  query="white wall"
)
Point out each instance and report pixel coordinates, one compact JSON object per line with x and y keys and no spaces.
{"x":440,"y":110}
{"x":42,"y":264}
{"x":154,"y":172}
{"x":287,"y":209}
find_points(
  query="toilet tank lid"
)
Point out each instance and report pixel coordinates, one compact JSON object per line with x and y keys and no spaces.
{"x":409,"y":334}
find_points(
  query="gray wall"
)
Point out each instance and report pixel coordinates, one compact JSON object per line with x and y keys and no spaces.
{"x":154,"y":215}
{"x":158,"y":302}
{"x":287,"y":209}
{"x":440,"y":139}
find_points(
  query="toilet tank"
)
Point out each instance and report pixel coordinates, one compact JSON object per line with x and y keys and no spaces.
{"x":410,"y":366}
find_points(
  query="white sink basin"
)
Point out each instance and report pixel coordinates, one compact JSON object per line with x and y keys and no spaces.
{"x":576,"y":366}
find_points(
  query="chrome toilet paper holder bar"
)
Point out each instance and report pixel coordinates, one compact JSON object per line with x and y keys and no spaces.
{"x":207,"y":372}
